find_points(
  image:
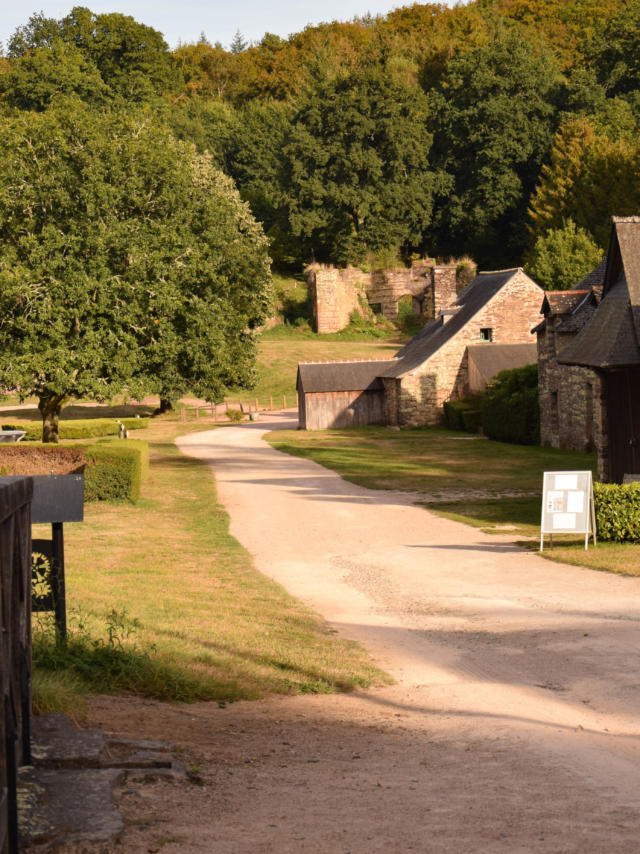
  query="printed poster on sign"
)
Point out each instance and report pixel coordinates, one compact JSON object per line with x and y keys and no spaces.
{"x":567,"y":505}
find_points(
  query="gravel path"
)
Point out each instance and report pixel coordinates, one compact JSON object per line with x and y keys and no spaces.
{"x":513,"y":725}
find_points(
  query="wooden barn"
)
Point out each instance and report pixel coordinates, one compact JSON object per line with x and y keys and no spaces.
{"x":341,"y":394}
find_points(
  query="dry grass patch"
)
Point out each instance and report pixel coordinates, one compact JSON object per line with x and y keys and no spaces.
{"x":185,"y":601}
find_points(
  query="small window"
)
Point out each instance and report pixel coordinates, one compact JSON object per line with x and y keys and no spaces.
{"x":486,"y":334}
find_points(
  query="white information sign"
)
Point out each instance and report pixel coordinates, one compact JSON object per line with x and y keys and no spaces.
{"x":567,"y":505}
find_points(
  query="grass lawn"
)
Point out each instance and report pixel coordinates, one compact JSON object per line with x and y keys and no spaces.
{"x":462,"y":479}
{"x":279,"y":354}
{"x":164,"y":602}
{"x":431,"y":461}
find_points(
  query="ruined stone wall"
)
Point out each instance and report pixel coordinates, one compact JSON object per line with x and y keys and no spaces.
{"x":511,"y":314}
{"x":337,"y":293}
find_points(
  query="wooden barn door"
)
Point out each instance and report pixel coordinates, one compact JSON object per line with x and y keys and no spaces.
{"x":623,"y":411}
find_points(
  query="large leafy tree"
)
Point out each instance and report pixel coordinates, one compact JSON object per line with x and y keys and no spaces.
{"x":132,"y":60}
{"x":127,"y":262}
{"x":615,"y":51}
{"x":561,"y":257}
{"x":357,"y":175}
{"x":593,"y":174}
{"x":493,"y":115}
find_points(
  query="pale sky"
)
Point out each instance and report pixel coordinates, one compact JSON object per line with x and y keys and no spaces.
{"x":184,"y":20}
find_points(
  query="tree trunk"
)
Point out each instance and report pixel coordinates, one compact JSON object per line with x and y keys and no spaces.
{"x":165,"y":406}
{"x":50,"y":406}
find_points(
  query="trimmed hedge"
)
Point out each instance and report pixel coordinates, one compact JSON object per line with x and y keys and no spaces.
{"x":472,"y":420}
{"x":114,"y":471}
{"x":510,"y":411}
{"x":453,"y":411}
{"x":463,"y":414}
{"x":617,"y":509}
{"x":80,"y":428}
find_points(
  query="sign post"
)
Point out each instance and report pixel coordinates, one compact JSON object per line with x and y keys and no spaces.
{"x":567,"y":505}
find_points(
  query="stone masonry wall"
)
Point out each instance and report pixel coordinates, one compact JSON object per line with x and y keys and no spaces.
{"x":572,"y":401}
{"x":511,"y":314}
{"x":337,"y":293}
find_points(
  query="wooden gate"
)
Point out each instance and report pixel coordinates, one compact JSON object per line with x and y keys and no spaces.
{"x":623,"y":416}
{"x":15,"y":649}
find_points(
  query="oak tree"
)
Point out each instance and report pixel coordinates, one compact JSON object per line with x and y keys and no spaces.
{"x":127,"y":262}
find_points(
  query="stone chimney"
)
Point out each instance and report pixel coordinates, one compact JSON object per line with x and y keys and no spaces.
{"x":444,"y":283}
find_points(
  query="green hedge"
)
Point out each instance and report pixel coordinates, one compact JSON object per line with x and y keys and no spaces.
{"x":472,"y":420}
{"x":510,"y":411}
{"x":463,"y":414}
{"x":453,"y":411}
{"x":115,"y":470}
{"x":617,"y":509}
{"x":86,"y":428}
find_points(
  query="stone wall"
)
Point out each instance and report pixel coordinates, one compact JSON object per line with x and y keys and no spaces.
{"x":337,"y":293}
{"x":511,"y":314}
{"x":572,"y":399}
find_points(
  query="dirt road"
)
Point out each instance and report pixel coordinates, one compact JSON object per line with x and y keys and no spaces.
{"x":513,"y":725}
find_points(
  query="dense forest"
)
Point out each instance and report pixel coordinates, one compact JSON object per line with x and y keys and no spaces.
{"x":502,"y":129}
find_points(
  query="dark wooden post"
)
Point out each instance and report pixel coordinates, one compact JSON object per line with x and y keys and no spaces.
{"x":57,"y":579}
{"x":15,"y":648}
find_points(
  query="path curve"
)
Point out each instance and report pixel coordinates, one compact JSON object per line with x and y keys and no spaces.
{"x":523,"y":673}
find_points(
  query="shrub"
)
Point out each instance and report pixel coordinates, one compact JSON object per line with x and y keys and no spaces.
{"x":463,"y":414}
{"x":235,"y":415}
{"x":81,"y":428}
{"x":472,"y":420}
{"x":115,"y":470}
{"x":510,"y":407}
{"x":617,"y":509}
{"x":453,"y":410}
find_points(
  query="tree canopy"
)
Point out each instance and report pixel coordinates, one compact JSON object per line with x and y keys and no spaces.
{"x":483,"y":128}
{"x":358,"y":178}
{"x":561,"y":257}
{"x":127,"y":262}
{"x":132,"y":60}
{"x":493,"y":116}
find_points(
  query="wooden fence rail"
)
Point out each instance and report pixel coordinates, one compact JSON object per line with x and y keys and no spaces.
{"x":218,"y":411}
{"x":15,"y":649}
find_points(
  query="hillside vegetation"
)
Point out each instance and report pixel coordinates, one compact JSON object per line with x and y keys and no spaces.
{"x":506,"y":130}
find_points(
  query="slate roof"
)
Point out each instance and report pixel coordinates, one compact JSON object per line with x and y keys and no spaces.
{"x":490,"y":359}
{"x":342,"y":376}
{"x":576,"y":305}
{"x":437,"y":332}
{"x":582,"y":313}
{"x":612,"y":337}
{"x":594,"y":279}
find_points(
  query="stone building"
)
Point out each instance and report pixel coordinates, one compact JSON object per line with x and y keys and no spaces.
{"x":570,"y":397}
{"x":497,"y":310}
{"x":484,"y":330}
{"x":600,"y":366}
{"x":337,"y":293}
